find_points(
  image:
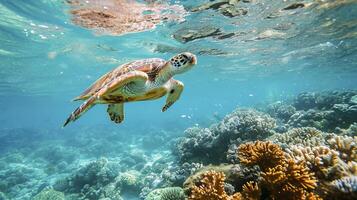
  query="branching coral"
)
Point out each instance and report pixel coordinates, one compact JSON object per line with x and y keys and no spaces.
{"x":325,"y":162}
{"x":289,"y":177}
{"x":263,"y":154}
{"x":346,"y":146}
{"x":251,"y":191}
{"x":211,"y":187}
{"x":306,"y":136}
{"x":341,"y":189}
{"x":289,"y":180}
{"x":284,"y":178}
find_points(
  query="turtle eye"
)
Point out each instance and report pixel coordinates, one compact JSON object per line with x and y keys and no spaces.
{"x":185,"y":57}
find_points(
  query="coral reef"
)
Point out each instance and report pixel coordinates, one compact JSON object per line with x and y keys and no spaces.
{"x":247,"y":155}
{"x":325,"y":110}
{"x":95,"y":180}
{"x":207,"y":144}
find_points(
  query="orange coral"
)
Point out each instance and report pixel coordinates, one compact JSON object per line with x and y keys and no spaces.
{"x":264,"y":154}
{"x":211,"y":187}
{"x":251,"y":191}
{"x":289,"y":180}
{"x":282,"y":176}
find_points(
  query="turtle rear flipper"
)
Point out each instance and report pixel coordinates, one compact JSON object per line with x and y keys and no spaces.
{"x":116,"y":112}
{"x":137,"y":77}
{"x":81,"y":110}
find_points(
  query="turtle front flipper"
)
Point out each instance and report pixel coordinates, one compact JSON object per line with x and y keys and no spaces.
{"x":175,"y":89}
{"x":116,"y":112}
{"x":138,"y":78}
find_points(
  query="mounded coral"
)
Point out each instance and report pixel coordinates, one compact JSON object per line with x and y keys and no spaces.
{"x":169,"y":193}
{"x":208,"y":144}
{"x":129,"y":180}
{"x":49,"y":194}
{"x":247,"y":124}
{"x":324,"y":110}
{"x":281,"y":110}
{"x":95,"y":180}
{"x":307,"y":136}
{"x":342,"y":189}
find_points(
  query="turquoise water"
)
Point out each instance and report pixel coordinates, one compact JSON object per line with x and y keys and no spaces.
{"x":46,"y":60}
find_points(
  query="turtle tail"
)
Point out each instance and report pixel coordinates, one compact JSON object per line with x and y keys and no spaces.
{"x":78,"y":112}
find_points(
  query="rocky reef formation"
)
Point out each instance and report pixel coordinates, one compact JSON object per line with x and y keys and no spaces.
{"x":122,"y":17}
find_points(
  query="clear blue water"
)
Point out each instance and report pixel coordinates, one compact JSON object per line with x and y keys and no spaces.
{"x":46,"y":60}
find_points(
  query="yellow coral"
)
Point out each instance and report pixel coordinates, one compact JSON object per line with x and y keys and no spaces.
{"x":211,"y":187}
{"x":263,"y":154}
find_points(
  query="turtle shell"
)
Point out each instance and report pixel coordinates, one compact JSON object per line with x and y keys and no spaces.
{"x":150,"y":66}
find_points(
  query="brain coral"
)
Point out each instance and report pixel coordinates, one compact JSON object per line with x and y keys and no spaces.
{"x":169,"y":193}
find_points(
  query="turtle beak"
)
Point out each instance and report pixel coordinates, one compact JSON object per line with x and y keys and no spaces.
{"x":193,"y":60}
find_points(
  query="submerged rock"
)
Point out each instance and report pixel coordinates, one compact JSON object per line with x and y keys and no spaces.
{"x":294,"y":6}
{"x":189,"y":34}
{"x":232,"y":11}
{"x":229,"y":8}
{"x":210,"y":5}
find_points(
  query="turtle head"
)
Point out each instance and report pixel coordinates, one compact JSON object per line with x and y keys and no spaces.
{"x":182,"y":62}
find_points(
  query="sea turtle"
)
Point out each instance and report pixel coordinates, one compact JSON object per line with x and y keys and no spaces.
{"x":139,"y":80}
